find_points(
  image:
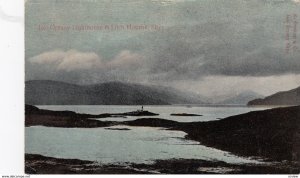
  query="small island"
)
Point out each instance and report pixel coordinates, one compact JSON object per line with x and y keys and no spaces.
{"x":139,"y":112}
{"x":136,"y":113}
{"x":117,"y":128}
{"x":184,"y":114}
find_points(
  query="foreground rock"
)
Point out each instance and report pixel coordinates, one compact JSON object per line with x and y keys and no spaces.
{"x":273,"y":133}
{"x":153,"y":122}
{"x":38,"y":164}
{"x":35,"y":116}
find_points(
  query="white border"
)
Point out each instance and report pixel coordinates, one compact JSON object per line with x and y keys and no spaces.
{"x":12,"y":95}
{"x":12,"y":87}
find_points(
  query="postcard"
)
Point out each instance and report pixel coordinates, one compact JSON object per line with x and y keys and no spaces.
{"x":162,"y":87}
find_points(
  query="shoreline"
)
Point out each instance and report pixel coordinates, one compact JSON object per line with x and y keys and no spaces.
{"x":271,"y":134}
{"x":38,"y":164}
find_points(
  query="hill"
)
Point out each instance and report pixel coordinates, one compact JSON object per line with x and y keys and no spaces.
{"x":46,"y":92}
{"x":241,"y":98}
{"x":291,"y":97}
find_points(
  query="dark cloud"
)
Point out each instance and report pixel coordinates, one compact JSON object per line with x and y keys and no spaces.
{"x":199,"y":39}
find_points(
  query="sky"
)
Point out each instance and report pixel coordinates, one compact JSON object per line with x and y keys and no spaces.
{"x":209,"y":47}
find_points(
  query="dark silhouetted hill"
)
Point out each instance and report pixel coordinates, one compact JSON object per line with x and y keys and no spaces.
{"x":291,"y":97}
{"x":46,"y":92}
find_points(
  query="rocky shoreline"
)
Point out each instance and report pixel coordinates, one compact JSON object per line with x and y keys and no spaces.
{"x":68,"y":119}
{"x":38,"y":164}
{"x":273,"y":134}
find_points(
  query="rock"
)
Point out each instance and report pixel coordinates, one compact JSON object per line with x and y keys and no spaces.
{"x":185,"y":114}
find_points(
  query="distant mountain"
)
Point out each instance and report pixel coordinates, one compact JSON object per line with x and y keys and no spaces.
{"x":46,"y":92}
{"x":241,"y":98}
{"x":291,"y":97}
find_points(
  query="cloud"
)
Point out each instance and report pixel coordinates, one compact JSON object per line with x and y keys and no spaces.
{"x":231,"y":39}
{"x":126,"y":59}
{"x":73,"y":60}
{"x":170,"y":2}
{"x":85,"y":67}
{"x":218,"y":86}
{"x":219,"y":48}
{"x":68,"y":60}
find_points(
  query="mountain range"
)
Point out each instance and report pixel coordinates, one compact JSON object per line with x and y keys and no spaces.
{"x":241,"y":98}
{"x":291,"y":97}
{"x":47,"y":92}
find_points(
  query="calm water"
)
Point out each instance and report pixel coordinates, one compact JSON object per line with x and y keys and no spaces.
{"x":209,"y":113}
{"x":137,"y":145}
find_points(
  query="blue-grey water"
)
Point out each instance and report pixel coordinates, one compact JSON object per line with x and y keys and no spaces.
{"x":209,"y":113}
{"x":136,"y":145}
